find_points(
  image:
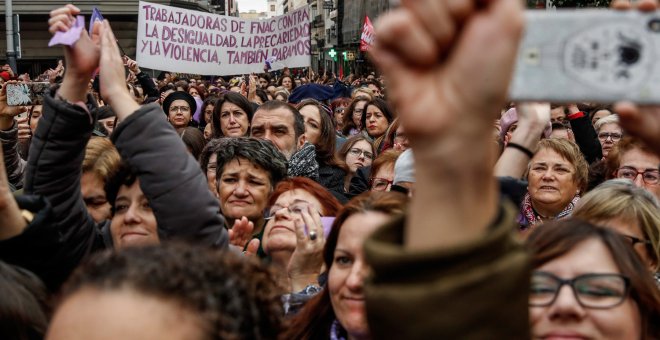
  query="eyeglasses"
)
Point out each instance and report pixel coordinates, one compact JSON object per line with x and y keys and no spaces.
{"x":357,"y":152}
{"x":650,"y":176}
{"x":614,"y":136}
{"x":634,"y":240}
{"x":357,"y":112}
{"x":597,"y":291}
{"x":339,"y":110}
{"x":381,"y":184}
{"x":296,"y":209}
{"x":180,"y":108}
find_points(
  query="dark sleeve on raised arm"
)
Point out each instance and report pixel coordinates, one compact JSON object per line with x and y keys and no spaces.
{"x":474,"y":291}
{"x":170,"y":178}
{"x":14,"y":164}
{"x":586,"y":137}
{"x":148,"y":87}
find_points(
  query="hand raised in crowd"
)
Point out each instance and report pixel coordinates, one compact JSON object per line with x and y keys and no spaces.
{"x":132,"y":65}
{"x":24,"y":132}
{"x":112,"y":81}
{"x":306,"y":261}
{"x":640,"y":121}
{"x":448,"y":92}
{"x":240,"y":236}
{"x":7,"y":113}
{"x":82,"y":58}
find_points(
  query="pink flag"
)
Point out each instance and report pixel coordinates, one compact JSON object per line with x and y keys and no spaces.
{"x":367,"y":38}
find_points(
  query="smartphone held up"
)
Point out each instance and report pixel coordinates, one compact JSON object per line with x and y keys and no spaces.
{"x":30,"y":93}
{"x":592,"y":55}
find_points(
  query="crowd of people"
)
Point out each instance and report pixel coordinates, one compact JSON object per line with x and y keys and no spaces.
{"x":414,"y":203}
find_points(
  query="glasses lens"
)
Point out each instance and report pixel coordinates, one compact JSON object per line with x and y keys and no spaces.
{"x":379,"y":184}
{"x":651,"y":177}
{"x":600,"y":291}
{"x":542,"y":290}
{"x":627,"y":173}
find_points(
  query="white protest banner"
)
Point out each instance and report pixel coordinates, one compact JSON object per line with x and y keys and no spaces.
{"x":180,"y":40}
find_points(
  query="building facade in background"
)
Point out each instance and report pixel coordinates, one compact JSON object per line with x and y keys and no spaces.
{"x":122,"y":14}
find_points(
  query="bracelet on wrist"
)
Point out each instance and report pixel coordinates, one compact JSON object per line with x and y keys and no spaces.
{"x":521,"y":148}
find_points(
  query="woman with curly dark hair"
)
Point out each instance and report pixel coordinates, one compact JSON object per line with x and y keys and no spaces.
{"x":172,"y":291}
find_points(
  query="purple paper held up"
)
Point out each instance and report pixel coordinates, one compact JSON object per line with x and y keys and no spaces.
{"x":71,"y":36}
{"x":96,"y":16}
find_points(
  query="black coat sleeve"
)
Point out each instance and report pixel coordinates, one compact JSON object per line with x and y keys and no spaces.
{"x":586,"y":137}
{"x":359,"y":182}
{"x":14,"y":164}
{"x":148,"y":87}
{"x":170,"y":178}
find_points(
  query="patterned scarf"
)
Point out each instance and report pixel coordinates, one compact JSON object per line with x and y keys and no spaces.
{"x":336,"y":330}
{"x":303,"y":163}
{"x":528,"y":217}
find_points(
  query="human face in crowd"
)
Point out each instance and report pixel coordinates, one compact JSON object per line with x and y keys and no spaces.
{"x":277,"y":126}
{"x":401,"y":140}
{"x":93,"y":314}
{"x":552,"y":182}
{"x":280,"y":98}
{"x":208,"y":132}
{"x":298,"y":82}
{"x":376,"y":121}
{"x":36,"y":115}
{"x":263,"y":83}
{"x":339,"y":117}
{"x":233,"y":120}
{"x":108,"y":124}
{"x":376,"y":90}
{"x":638,"y":160}
{"x":631,"y":230}
{"x":271,"y":89}
{"x":287,"y":83}
{"x":280,"y":234}
{"x":179,"y":115}
{"x":358,"y":110}
{"x":567,"y":318}
{"x":211,"y":170}
{"x":134,"y":223}
{"x":312,"y":118}
{"x":193,"y":92}
{"x":558,"y":115}
{"x":360,"y":155}
{"x":609,"y":135}
{"x":243,"y":188}
{"x":93,"y":193}
{"x":600,"y":114}
{"x":208,"y":112}
{"x":382,"y":180}
{"x":349,"y":270}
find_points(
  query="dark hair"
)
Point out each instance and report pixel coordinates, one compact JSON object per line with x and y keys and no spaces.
{"x":194,"y":140}
{"x":25,"y":306}
{"x":293,"y":82}
{"x":315,"y":320}
{"x":236,"y":99}
{"x":234,"y":297}
{"x":325,"y":147}
{"x":182,"y":84}
{"x":348,"y":115}
{"x":260,"y":152}
{"x":211,"y":100}
{"x":265,"y":76}
{"x":329,"y":203}
{"x":556,"y":238}
{"x":262,"y":95}
{"x":298,"y":120}
{"x":382,"y":106}
{"x":209,"y":149}
{"x":348,"y":145}
{"x":125,"y":175}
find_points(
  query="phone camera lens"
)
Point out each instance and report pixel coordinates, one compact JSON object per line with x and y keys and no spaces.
{"x":654,"y":25}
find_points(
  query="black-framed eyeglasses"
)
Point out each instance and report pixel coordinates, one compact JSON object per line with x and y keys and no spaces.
{"x":597,"y":291}
{"x":614,"y":136}
{"x":381,"y":184}
{"x":357,"y":152}
{"x":634,"y":240}
{"x":649,"y":176}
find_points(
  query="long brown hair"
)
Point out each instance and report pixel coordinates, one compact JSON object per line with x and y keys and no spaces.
{"x":557,"y":238}
{"x":315,"y":319}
